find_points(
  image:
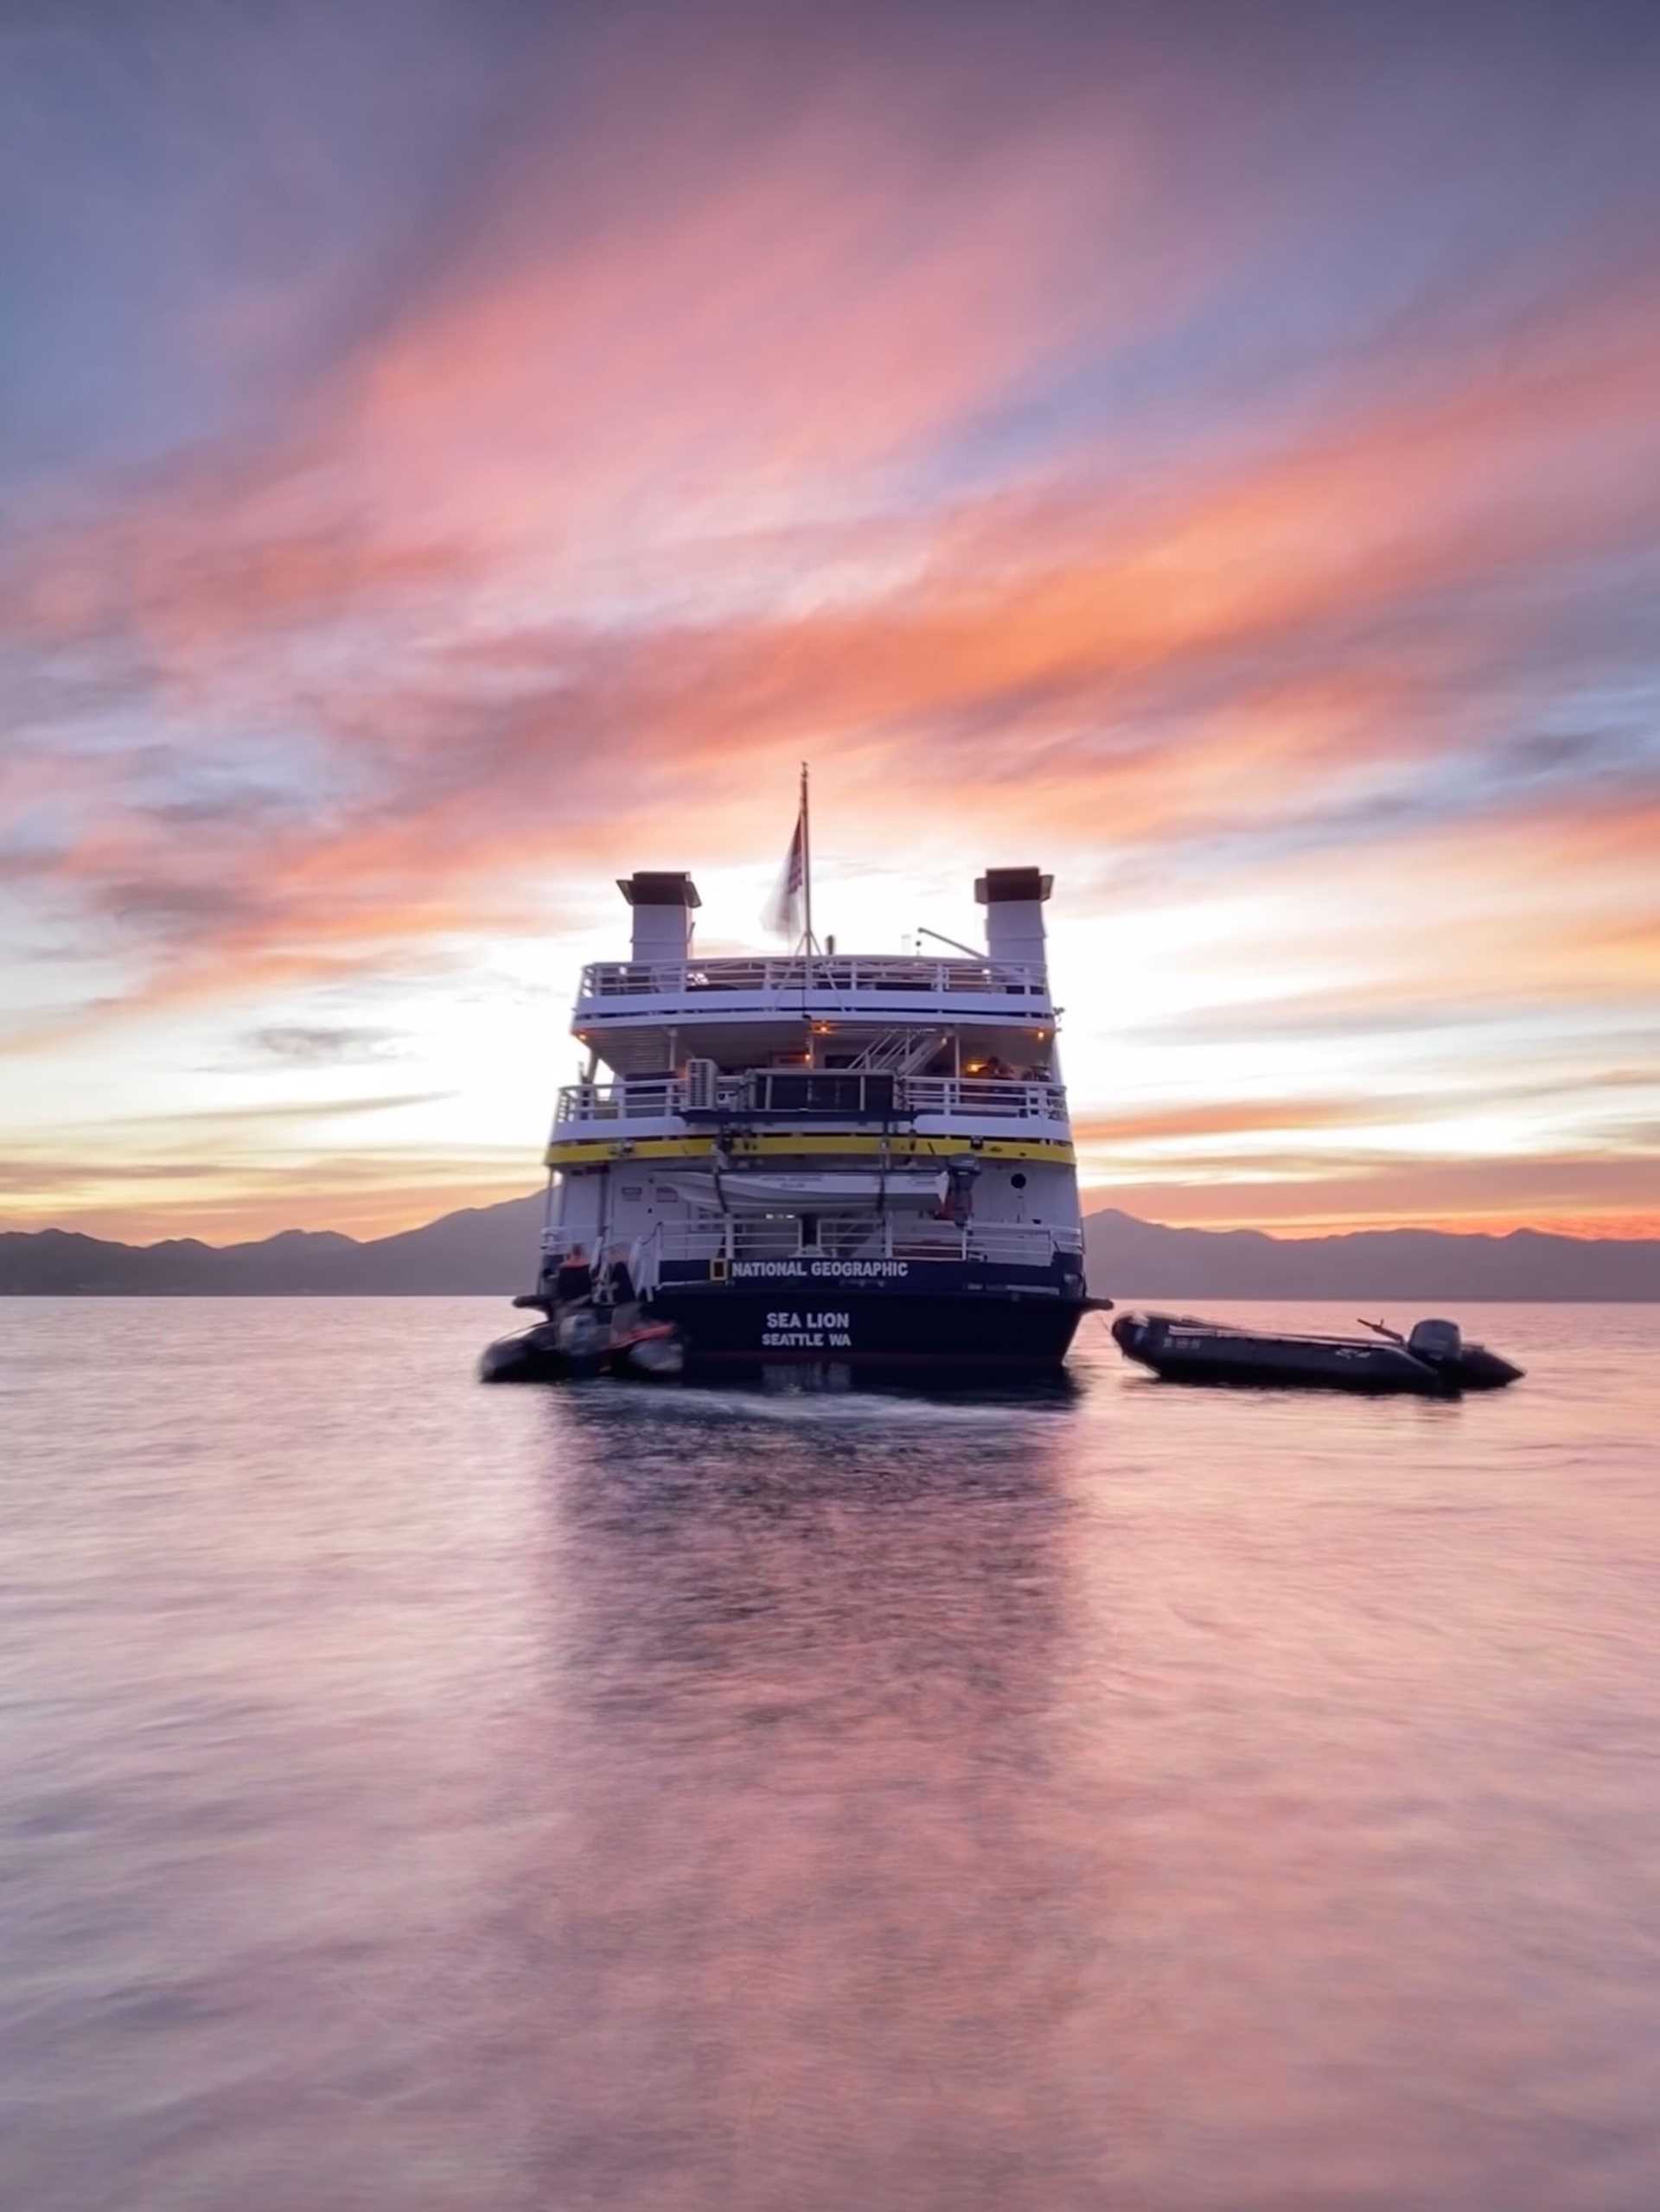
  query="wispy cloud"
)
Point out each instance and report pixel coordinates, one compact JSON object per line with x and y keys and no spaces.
{"x":1181,"y":456}
{"x":313,"y":1045}
{"x":305,"y":1110}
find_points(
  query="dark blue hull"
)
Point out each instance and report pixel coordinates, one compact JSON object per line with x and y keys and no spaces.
{"x":1001,"y":1330}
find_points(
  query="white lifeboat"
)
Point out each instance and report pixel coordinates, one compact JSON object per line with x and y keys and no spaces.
{"x":850,"y":1190}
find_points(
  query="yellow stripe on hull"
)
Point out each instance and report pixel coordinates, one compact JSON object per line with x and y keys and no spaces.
{"x":589,"y":1153}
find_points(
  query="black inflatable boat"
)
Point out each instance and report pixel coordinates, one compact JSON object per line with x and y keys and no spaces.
{"x":1434,"y":1361}
{"x":583,"y":1343}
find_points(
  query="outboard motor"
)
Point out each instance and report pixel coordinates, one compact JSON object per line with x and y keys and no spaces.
{"x":1437,"y":1343}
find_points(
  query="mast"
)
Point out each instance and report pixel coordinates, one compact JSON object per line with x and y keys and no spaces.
{"x":807,"y":864}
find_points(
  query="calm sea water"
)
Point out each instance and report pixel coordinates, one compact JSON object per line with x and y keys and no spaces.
{"x":423,"y":1797}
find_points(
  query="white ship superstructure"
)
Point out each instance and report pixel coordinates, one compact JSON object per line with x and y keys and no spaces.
{"x":841,"y":1155}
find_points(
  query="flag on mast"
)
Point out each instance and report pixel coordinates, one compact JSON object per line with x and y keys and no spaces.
{"x":786,"y":911}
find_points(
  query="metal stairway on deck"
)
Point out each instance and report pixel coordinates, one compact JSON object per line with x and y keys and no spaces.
{"x":898,"y":1052}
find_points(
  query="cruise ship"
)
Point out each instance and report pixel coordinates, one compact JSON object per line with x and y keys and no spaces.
{"x":857,"y":1160}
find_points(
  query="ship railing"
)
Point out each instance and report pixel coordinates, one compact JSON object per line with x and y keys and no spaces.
{"x":1017,"y":1243}
{"x":643,"y":1097}
{"x":856,"y":1237}
{"x":837,"y":974}
{"x":637,"y":1098}
{"x":990,"y":1097}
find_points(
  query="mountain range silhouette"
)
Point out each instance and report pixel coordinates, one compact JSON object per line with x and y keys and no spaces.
{"x":489,"y":1250}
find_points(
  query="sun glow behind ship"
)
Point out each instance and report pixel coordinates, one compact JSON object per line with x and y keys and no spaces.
{"x":1224,"y":465}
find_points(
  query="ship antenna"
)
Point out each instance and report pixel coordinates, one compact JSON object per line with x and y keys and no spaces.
{"x":807,"y":865}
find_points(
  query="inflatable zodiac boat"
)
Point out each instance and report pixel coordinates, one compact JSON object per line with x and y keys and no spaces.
{"x":1434,"y":1360}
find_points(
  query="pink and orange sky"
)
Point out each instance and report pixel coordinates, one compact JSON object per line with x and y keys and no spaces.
{"x":454,"y":454}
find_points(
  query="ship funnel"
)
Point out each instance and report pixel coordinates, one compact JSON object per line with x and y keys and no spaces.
{"x":662,"y":903}
{"x":1013,"y":900}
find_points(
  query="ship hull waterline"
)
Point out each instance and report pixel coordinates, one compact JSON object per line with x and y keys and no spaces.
{"x":873,"y":1331}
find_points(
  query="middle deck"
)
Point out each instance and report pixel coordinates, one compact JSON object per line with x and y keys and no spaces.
{"x":671,"y":1106}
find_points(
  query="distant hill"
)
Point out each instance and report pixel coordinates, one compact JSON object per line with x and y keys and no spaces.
{"x":489,"y":1252}
{"x":1127,"y":1258}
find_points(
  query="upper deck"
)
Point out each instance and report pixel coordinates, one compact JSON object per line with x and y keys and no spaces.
{"x":891,"y":989}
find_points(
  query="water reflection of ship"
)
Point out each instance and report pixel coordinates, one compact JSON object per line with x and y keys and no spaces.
{"x":822,"y":1912}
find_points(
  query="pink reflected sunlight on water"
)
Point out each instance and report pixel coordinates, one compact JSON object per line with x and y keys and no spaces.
{"x":428,"y":1796}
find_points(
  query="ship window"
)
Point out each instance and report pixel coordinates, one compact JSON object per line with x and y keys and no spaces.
{"x":1017,"y":1182}
{"x":870,"y":1096}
